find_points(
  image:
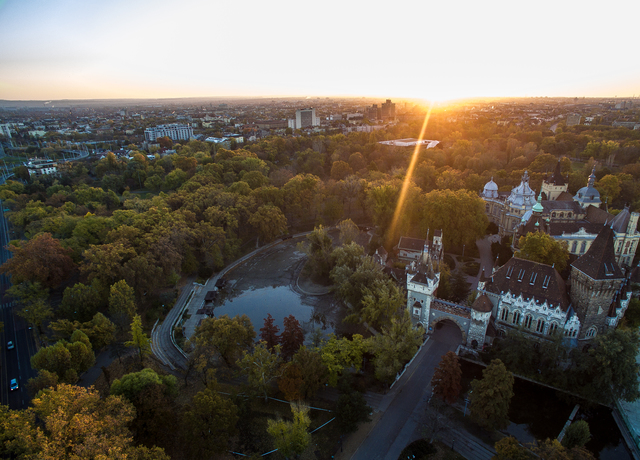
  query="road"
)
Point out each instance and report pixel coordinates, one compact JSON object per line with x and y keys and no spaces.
{"x":16,"y":363}
{"x":162,"y":345}
{"x":403,"y":407}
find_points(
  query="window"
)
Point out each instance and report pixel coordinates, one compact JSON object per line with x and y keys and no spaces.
{"x":516,"y":317}
{"x":573,"y":334}
{"x":591,"y":332}
{"x":509,"y":272}
{"x":553,"y":214}
{"x":505,"y":314}
{"x":521,"y":275}
{"x":545,"y":282}
{"x":583,"y":247}
{"x":532,"y":280}
{"x":527,"y":322}
{"x":553,"y":328}
{"x":574,"y":247}
{"x":540,"y":326}
{"x":626,"y":247}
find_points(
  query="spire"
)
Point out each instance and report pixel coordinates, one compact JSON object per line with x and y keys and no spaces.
{"x":538,"y":206}
{"x":592,"y":177}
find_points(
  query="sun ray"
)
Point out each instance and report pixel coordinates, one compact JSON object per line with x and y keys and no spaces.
{"x":407,"y":178}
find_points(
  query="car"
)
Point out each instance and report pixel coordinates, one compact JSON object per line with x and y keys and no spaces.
{"x":9,"y":345}
{"x":14,"y":384}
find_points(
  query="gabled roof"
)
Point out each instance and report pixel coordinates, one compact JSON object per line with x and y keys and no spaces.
{"x":555,"y":205}
{"x":556,"y":178}
{"x":621,"y":221}
{"x":596,"y":215}
{"x":599,"y":262}
{"x":531,"y":280}
{"x":565,"y":196}
{"x":411,"y":244}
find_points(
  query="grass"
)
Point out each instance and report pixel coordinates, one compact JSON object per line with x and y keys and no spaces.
{"x":471,"y":268}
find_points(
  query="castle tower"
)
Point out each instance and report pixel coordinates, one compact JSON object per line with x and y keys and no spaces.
{"x":554,"y":185}
{"x":596,"y":278}
{"x":589,"y":195}
{"x":423,"y":279}
{"x":480,"y":317}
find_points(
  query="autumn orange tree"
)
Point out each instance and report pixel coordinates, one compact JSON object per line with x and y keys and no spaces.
{"x":446,"y":378}
{"x":41,"y":259}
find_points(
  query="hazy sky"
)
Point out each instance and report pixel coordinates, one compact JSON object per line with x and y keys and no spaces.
{"x":54,"y":49}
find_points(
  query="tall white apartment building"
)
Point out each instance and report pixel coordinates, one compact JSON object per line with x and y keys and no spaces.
{"x":174,"y":131}
{"x":305,"y":118}
{"x":5,"y":130}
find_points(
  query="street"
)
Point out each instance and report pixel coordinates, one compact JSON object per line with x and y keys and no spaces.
{"x":404,"y":405}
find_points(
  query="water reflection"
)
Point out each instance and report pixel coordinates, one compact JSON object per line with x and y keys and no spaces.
{"x":312,"y":312}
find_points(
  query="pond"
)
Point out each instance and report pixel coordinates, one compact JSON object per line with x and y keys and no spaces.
{"x":312,"y":312}
{"x":537,"y":412}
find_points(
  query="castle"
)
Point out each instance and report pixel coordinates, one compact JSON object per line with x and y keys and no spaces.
{"x":527,"y":295}
{"x":575,"y":220}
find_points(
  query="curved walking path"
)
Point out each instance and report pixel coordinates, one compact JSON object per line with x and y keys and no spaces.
{"x":190,"y":300}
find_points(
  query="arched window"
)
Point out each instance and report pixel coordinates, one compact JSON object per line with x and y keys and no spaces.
{"x":626,"y":248}
{"x":591,"y":332}
{"x":574,"y":332}
{"x":574,"y":247}
{"x":583,"y":246}
{"x":516,"y":317}
{"x":527,"y":322}
{"x":553,"y":328}
{"x":474,"y":344}
{"x":505,"y":314}
{"x":540,"y":326}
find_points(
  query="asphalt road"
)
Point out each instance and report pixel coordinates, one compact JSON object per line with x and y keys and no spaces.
{"x":16,"y":363}
{"x":404,"y":405}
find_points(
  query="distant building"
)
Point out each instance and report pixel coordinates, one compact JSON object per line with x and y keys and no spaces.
{"x":573,"y":119}
{"x":305,"y":118}
{"x":386,"y":111}
{"x":175,"y":132}
{"x":41,"y":167}
{"x":5,"y":130}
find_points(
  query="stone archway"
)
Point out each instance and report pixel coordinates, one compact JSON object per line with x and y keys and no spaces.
{"x":453,"y":322}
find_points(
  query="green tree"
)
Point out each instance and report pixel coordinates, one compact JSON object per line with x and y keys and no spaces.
{"x":508,"y":448}
{"x":446,"y":378}
{"x":351,"y":410}
{"x":81,"y":302}
{"x":543,"y":248}
{"x":491,"y":396}
{"x":381,"y":302}
{"x":318,"y":250}
{"x":339,"y":354}
{"x":66,"y":359}
{"x":261,"y":367}
{"x":36,"y":313}
{"x":122,"y":302}
{"x":208,"y":424}
{"x":609,"y":188}
{"x":576,"y":435}
{"x":609,"y":370}
{"x":130,"y":385}
{"x":459,"y":214}
{"x":396,"y":345}
{"x":269,"y":221}
{"x":348,"y":231}
{"x":291,"y":438}
{"x":139,"y":339}
{"x":224,"y":338}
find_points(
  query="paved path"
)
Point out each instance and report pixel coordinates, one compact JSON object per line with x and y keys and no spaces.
{"x":162,"y":344}
{"x":403,"y":407}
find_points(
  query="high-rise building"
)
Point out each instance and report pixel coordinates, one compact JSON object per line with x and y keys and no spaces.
{"x":386,"y":111}
{"x":305,"y":118}
{"x":175,"y":132}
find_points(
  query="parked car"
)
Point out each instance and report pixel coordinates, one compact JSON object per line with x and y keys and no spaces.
{"x":14,"y":384}
{"x":9,"y":345}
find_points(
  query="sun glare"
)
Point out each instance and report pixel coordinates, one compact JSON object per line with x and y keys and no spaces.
{"x":407,"y":177}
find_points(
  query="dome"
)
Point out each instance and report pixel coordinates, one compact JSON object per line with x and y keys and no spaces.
{"x":588,"y":195}
{"x":490,"y":189}
{"x":522,"y":195}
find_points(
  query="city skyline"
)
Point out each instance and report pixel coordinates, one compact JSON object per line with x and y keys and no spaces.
{"x":67,"y":49}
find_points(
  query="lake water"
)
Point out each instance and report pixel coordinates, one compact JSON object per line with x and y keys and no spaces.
{"x":312,"y":312}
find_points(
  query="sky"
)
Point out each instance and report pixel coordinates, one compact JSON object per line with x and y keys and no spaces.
{"x":424,"y":49}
